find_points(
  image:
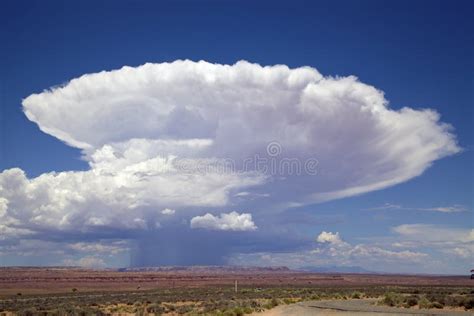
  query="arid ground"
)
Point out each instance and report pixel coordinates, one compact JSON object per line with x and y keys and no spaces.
{"x":63,"y":280}
{"x":211,"y":290}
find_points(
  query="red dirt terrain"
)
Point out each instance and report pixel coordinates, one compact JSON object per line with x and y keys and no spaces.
{"x":15,"y":280}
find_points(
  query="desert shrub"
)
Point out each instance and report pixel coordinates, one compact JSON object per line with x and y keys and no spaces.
{"x":27,"y":312}
{"x":170,"y":307}
{"x":436,"y":297}
{"x":356,"y":295}
{"x":247,"y":310}
{"x":272,"y":303}
{"x":436,"y":305}
{"x":454,"y":300}
{"x":424,"y":303}
{"x":155,"y":308}
{"x":237,"y":311}
{"x":411,"y":301}
{"x":254,"y":304}
{"x":337,"y":296}
{"x":183,"y":309}
{"x":468,"y":303}
{"x":392,"y":299}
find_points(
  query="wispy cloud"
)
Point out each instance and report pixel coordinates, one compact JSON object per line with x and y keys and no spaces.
{"x":86,"y":262}
{"x":458,"y":242}
{"x":443,"y":209}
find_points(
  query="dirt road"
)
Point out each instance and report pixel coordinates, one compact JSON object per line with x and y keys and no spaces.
{"x":350,"y":307}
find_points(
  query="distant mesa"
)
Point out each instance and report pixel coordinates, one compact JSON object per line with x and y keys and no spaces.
{"x":210,"y":269}
{"x":335,"y":269}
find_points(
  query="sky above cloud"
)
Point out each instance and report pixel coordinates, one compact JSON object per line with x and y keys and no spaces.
{"x":302,"y":144}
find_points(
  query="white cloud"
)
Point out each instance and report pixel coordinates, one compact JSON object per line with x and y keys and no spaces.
{"x":110,"y":248}
{"x":463,"y":252}
{"x":328,"y":237}
{"x":235,"y":111}
{"x":337,"y":248}
{"x":86,"y":262}
{"x":91,"y":200}
{"x":34,"y":247}
{"x":168,"y":211}
{"x":434,"y":233}
{"x":155,"y":137}
{"x":454,"y":241}
{"x":333,"y":251}
{"x":446,"y":209}
{"x":230,"y":221}
{"x":443,"y":209}
{"x":374,"y":253}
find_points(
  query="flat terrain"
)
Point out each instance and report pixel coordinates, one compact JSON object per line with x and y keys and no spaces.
{"x":211,"y":291}
{"x":63,"y":280}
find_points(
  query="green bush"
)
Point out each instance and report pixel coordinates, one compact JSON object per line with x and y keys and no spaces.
{"x":155,"y":308}
{"x":468,"y":303}
{"x":411,"y":301}
{"x":247,"y":310}
{"x":315,"y":297}
{"x":392,"y":299}
{"x":436,"y":305}
{"x":273,"y":303}
{"x":424,"y":303}
{"x":27,"y":312}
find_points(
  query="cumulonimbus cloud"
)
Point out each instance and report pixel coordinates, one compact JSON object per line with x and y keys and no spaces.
{"x":135,"y":123}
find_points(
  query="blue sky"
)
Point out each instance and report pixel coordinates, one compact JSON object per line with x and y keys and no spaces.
{"x":419,"y":53}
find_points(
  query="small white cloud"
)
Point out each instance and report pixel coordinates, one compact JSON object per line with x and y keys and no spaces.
{"x":252,"y":195}
{"x":168,"y":211}
{"x":226,"y":221}
{"x":243,"y":193}
{"x":328,"y":237}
